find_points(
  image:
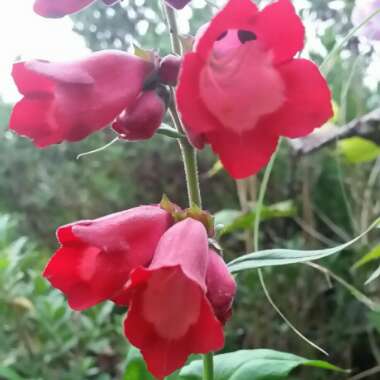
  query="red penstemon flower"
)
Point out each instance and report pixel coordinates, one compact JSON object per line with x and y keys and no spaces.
{"x":178,"y":291}
{"x":170,"y":315}
{"x":241,"y":88}
{"x":68,"y":101}
{"x":96,"y":256}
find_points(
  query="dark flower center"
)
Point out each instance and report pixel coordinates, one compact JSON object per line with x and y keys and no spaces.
{"x":222,"y":35}
{"x":246,"y":35}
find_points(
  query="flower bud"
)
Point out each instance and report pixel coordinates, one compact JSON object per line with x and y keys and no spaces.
{"x":169,"y":69}
{"x":221,"y":286}
{"x":141,"y":121}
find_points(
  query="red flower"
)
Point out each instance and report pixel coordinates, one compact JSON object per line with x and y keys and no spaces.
{"x":241,"y":89}
{"x":69,"y":101}
{"x":169,"y":315}
{"x":60,"y":8}
{"x":221,"y":286}
{"x":141,"y":120}
{"x":96,"y":256}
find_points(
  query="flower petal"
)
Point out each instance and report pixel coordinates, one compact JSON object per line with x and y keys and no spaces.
{"x":31,"y":118}
{"x":237,"y":14}
{"x":308,"y":104}
{"x":169,"y":315}
{"x":59,"y":8}
{"x":87,"y":94}
{"x":86,"y":275}
{"x":243,"y":154}
{"x":29,"y":82}
{"x":169,"y":318}
{"x":188,"y":98}
{"x":281,"y":29}
{"x":221,"y":286}
{"x":96,"y":256}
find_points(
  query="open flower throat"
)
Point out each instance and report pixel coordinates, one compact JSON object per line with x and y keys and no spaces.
{"x":242,"y":87}
{"x":239,"y":82}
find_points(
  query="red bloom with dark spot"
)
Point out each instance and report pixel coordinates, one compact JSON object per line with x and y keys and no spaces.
{"x":97,"y":256}
{"x":170,"y":316}
{"x":69,"y":101}
{"x":60,"y":8}
{"x":241,"y":89}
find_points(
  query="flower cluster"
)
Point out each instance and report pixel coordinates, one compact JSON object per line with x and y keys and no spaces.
{"x":70,"y":100}
{"x":239,"y":90}
{"x":177,"y":289}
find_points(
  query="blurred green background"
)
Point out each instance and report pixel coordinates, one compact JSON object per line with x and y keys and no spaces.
{"x":313,"y":201}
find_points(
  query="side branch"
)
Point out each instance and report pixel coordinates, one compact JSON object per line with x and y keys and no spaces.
{"x":367,"y":126}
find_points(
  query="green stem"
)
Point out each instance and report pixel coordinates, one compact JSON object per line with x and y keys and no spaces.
{"x":171,"y":22}
{"x":189,"y":157}
{"x":208,"y":366}
{"x":260,"y":200}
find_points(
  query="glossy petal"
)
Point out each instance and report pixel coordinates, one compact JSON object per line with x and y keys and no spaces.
{"x":308,"y":104}
{"x":239,"y":84}
{"x":237,"y":14}
{"x":281,"y":30}
{"x":96,"y":256}
{"x":59,"y":8}
{"x":169,"y":69}
{"x":245,"y":154}
{"x":188,"y":97}
{"x":140,"y":121}
{"x":170,"y":316}
{"x":86,"y":95}
{"x":221,"y":286}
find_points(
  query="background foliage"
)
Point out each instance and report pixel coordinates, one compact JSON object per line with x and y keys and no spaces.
{"x":314,"y":201}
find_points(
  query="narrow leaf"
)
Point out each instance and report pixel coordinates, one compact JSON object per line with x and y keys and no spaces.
{"x":374,"y":276}
{"x":374,"y":254}
{"x":273,"y":257}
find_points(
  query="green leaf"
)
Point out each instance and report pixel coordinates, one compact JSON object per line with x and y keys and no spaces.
{"x":136,"y":368}
{"x":273,"y":257}
{"x":7,"y":373}
{"x":374,"y":254}
{"x":234,"y":220}
{"x":373,"y":276}
{"x":357,"y":150}
{"x":258,"y":364}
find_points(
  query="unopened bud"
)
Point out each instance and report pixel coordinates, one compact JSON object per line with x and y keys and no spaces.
{"x":141,"y":121}
{"x":169,"y":69}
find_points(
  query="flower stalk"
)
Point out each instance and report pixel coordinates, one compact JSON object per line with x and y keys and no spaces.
{"x":189,"y":158}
